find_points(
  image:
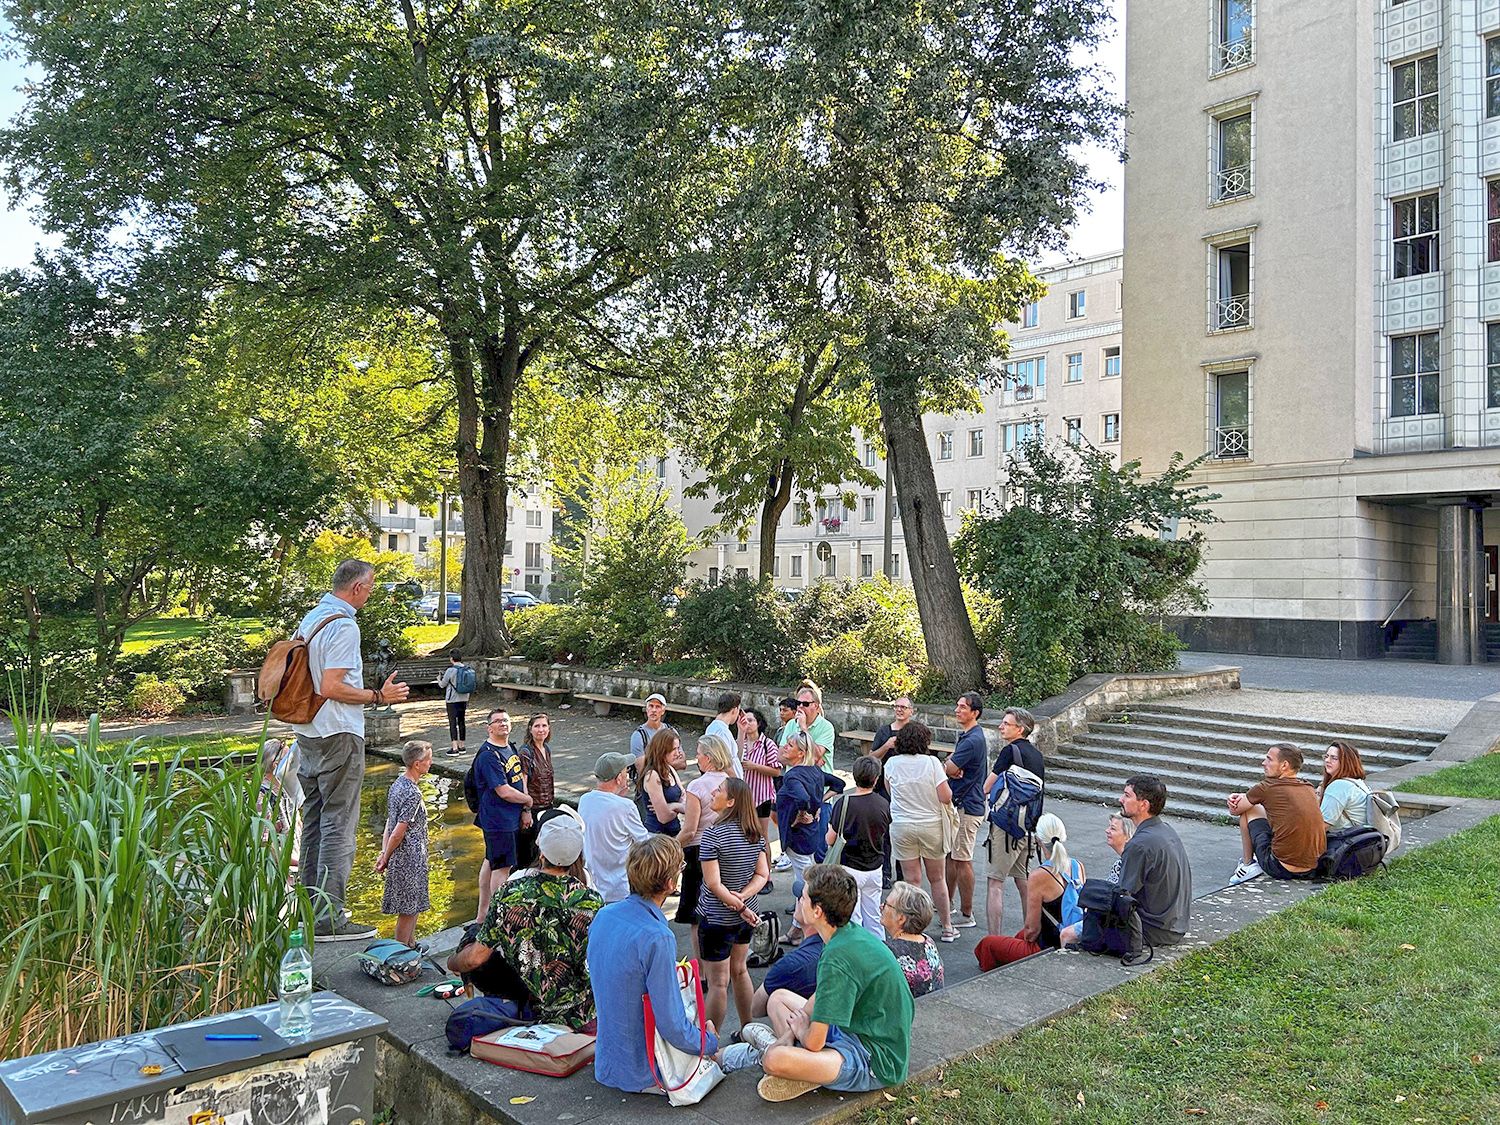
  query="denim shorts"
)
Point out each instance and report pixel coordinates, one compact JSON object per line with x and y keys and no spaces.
{"x":855,"y":1076}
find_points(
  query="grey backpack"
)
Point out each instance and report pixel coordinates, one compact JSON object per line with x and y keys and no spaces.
{"x":1383,"y":814}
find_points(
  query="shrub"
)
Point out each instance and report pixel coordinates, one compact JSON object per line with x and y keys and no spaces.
{"x":845,"y":665}
{"x":198,"y":664}
{"x":742,"y":625}
{"x":830,"y":607}
{"x":552,"y":634}
{"x":152,"y":697}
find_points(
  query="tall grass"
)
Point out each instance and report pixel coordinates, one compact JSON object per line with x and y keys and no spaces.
{"x":132,"y":899}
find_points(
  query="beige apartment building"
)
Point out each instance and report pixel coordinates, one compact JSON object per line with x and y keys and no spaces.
{"x":1312,"y":219}
{"x":415,"y":529}
{"x":1062,"y":377}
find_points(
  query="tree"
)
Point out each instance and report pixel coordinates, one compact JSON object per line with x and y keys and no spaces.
{"x":1086,"y":563}
{"x":943,"y":137}
{"x":507,"y":171}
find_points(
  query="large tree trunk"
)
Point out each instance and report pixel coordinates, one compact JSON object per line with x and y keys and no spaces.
{"x":951,"y":645}
{"x":778,"y":495}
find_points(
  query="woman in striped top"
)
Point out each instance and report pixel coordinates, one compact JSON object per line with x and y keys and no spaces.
{"x":762,"y":762}
{"x":735,"y":868}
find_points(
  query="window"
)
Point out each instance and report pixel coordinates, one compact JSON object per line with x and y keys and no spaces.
{"x":802,"y":513}
{"x":1075,"y":368}
{"x":869,"y":457}
{"x":742,"y":572}
{"x":976,"y":498}
{"x":776,"y":566}
{"x":895,"y":565}
{"x":741,"y":546}
{"x":1492,"y":76}
{"x":1233,"y":45}
{"x":1414,"y":98}
{"x":1025,"y":376}
{"x":1110,"y":430}
{"x":533,"y":517}
{"x":390,"y":543}
{"x":796,"y":566}
{"x":1492,"y":341}
{"x":533,"y":556}
{"x":976,"y":443}
{"x":1232,"y":307}
{"x":1076,"y":307}
{"x":867,"y":509}
{"x":421,"y":544}
{"x":945,"y":445}
{"x":1414,"y":234}
{"x":1028,"y":315}
{"x":1074,"y":434}
{"x":1414,"y":375}
{"x":831,"y":567}
{"x":1013,"y":435}
{"x":1119,"y":295}
{"x":1111,"y":363}
{"x":867,"y":566}
{"x":661,"y":468}
{"x":1232,"y":157}
{"x":1492,"y":221}
{"x":1231,"y":415}
{"x":945,"y":502}
{"x":392,"y":507}
{"x":713,"y":576}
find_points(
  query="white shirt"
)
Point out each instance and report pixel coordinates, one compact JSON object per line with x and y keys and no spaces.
{"x":611,"y":823}
{"x":913,"y":780}
{"x":721,"y":728}
{"x":337,"y":646}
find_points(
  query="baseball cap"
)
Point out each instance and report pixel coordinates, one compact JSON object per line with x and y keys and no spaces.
{"x":611,"y":765}
{"x":560,"y":841}
{"x":657,"y":697}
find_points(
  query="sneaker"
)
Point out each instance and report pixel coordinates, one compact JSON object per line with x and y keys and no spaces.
{"x":344,"y":931}
{"x":964,"y":922}
{"x":773,"y":1089}
{"x":457,"y":750}
{"x":758,"y":1035}
{"x":1245,"y":872}
{"x":738,"y":1056}
{"x":783,"y":864}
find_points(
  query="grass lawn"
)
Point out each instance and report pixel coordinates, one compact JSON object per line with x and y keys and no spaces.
{"x":1479,"y":778}
{"x":431,"y":636}
{"x":1374,"y":1001}
{"x":195,"y":746}
{"x":159,"y":630}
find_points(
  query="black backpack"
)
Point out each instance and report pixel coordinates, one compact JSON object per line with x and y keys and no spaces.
{"x":1352,"y":852}
{"x":471,"y":784}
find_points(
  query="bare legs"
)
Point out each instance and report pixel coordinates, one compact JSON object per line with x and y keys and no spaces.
{"x":911,"y":871}
{"x":994,"y":904}
{"x":959,"y":876}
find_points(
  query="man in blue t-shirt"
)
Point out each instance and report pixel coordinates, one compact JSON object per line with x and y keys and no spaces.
{"x":504,"y":806}
{"x":965,"y":769}
{"x":796,"y":972}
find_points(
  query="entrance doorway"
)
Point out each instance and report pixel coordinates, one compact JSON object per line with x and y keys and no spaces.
{"x":1492,"y":583}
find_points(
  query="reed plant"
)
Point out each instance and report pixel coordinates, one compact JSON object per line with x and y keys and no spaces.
{"x":131,"y":898}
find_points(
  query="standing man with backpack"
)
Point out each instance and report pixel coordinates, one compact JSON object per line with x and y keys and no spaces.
{"x":1009,"y":854}
{"x":332,"y":744}
{"x":458,"y":682}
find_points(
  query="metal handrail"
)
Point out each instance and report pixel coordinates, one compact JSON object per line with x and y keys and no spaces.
{"x":1398,"y":606}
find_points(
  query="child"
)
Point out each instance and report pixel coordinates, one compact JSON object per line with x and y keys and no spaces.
{"x":403,"y":850}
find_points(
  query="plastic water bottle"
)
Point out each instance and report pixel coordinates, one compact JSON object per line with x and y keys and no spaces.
{"x":295,"y":988}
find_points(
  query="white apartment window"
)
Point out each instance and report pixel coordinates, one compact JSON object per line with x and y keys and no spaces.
{"x":1074,"y":431}
{"x":713,"y":576}
{"x":1414,"y":375}
{"x":1414,"y":98}
{"x":1075,"y":368}
{"x":1025,"y":377}
{"x":1232,"y":304}
{"x":831,"y":567}
{"x":1492,"y":221}
{"x":945,"y":502}
{"x":1028,"y":315}
{"x":1013,"y":435}
{"x":895,"y":565}
{"x":1110,"y":430}
{"x":1492,"y":76}
{"x":1414,"y":234}
{"x":742,"y":572}
{"x":392,"y":507}
{"x":1111,"y":363}
{"x":869,"y":455}
{"x":796,"y":566}
{"x":741,"y":546}
{"x":976,"y":498}
{"x":868,"y":513}
{"x":775,"y":566}
{"x":1232,"y":415}
{"x":1076,"y":304}
{"x":390,"y":543}
{"x":976,"y":443}
{"x":803,"y":513}
{"x":1232,"y":44}
{"x":421,"y":544}
{"x":661,"y":468}
{"x":533,"y":556}
{"x":1492,"y":342}
{"x":1232,"y":157}
{"x":533,"y":517}
{"x":945,"y":445}
{"x":867,"y":566}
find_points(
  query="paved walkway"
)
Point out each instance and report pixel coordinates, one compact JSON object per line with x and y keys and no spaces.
{"x":1412,"y":678}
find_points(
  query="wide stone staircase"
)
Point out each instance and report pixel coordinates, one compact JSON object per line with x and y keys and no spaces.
{"x":1204,"y":755}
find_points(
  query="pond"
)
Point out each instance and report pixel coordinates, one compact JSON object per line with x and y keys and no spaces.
{"x":455,"y":851}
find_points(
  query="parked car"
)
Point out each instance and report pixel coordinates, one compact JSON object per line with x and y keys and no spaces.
{"x":518,"y":599}
{"x":407,"y":587}
{"x":428,"y":606}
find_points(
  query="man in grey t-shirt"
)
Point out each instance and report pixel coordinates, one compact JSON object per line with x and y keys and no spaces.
{"x":1154,"y":868}
{"x":456,"y":702}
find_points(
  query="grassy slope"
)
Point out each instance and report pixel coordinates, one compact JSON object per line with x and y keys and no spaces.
{"x":1479,"y":778}
{"x":1374,"y":1001}
{"x":159,"y":630}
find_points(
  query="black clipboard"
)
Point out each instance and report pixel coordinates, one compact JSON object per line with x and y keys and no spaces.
{"x":190,"y":1050}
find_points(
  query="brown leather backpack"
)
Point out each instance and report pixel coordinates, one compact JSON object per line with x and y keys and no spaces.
{"x":285,"y":680}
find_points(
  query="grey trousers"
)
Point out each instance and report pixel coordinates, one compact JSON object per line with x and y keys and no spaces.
{"x":331,"y":772}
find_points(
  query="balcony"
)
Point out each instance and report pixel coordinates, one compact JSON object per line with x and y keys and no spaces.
{"x":1232,"y":183}
{"x":397,"y":523}
{"x":1235,"y":52}
{"x":1231,"y":442}
{"x":1232,"y":312}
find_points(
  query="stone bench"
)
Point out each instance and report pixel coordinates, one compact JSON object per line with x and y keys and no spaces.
{"x":510,"y":691}
{"x":867,"y":737}
{"x":604,"y":704}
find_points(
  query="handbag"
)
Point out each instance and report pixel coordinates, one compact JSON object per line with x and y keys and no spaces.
{"x":836,"y":849}
{"x":687,"y":1078}
{"x":765,"y":941}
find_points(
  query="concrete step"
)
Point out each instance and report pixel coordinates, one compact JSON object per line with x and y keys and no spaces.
{"x":1189,"y":743}
{"x":1099,"y":748}
{"x":1308,"y":728}
{"x":1089,"y":795}
{"x":1184,"y":778}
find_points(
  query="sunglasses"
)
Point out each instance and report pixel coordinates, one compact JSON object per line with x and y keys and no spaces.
{"x":801,"y":703}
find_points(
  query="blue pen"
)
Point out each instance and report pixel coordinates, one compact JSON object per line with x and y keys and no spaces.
{"x":231,"y":1037}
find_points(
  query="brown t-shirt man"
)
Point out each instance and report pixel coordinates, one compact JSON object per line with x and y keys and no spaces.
{"x":1298,"y":837}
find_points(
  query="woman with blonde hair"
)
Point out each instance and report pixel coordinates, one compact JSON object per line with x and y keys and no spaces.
{"x":1051,"y":901}
{"x":714,"y":757}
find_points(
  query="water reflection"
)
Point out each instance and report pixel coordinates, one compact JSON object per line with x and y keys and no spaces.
{"x":455,"y":850}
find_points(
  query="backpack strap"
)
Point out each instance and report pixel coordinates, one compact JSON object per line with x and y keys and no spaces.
{"x":318,"y":628}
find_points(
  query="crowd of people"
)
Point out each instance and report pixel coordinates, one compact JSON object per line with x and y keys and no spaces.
{"x":572,"y":925}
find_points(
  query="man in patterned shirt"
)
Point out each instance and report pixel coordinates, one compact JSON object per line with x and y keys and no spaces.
{"x":531,"y":946}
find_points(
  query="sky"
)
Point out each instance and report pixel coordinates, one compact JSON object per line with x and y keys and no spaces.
{"x":1100,"y":231}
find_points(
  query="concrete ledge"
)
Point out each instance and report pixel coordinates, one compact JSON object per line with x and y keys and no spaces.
{"x":1477,"y":734}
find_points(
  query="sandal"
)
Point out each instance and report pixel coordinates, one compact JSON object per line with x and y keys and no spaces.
{"x":792,"y":937}
{"x":949,"y":935}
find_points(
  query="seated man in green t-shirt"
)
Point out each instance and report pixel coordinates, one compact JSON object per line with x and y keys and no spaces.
{"x":854,"y":1032}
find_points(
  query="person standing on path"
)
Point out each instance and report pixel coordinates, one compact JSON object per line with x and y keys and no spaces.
{"x":656,"y":722}
{"x":536,"y":759}
{"x":762,"y":763}
{"x":1009,"y":859}
{"x":456,"y":703}
{"x":332,"y":747}
{"x":965,"y":768}
{"x":724,"y":724}
{"x":503,"y":804}
{"x":611,"y":823}
{"x":883,"y":743}
{"x":810,"y":718}
{"x":403,"y":849}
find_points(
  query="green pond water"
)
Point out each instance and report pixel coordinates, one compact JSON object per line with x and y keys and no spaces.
{"x":455,"y":850}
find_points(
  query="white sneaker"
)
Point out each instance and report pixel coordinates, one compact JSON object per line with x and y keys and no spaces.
{"x":964,"y":922}
{"x":1245,"y":872}
{"x":783,"y":864}
{"x":758,"y":1035}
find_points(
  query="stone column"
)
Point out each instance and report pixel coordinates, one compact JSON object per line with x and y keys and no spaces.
{"x":1475,"y":550}
{"x":1457,"y":584}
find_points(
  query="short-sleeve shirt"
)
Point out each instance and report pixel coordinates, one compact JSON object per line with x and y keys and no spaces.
{"x":720,"y":728}
{"x":798,"y":970}
{"x":1298,"y":837}
{"x":821,"y":732}
{"x":1346,"y":803}
{"x":403,"y":805}
{"x":703,"y":787}
{"x":1021,"y":753}
{"x":920,"y":961}
{"x":495,"y":766}
{"x":862,"y":990}
{"x":762,"y":752}
{"x":913,"y":780}
{"x":335,"y":646}
{"x":971,"y":755}
{"x":865,"y":820}
{"x":540,"y":924}
{"x":736,"y":857}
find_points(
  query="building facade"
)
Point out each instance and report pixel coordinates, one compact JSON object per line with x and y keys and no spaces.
{"x":415,"y":529}
{"x":1062,"y":378}
{"x":1312,"y":216}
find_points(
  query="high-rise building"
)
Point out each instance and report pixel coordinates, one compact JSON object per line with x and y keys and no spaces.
{"x":1312,"y":224}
